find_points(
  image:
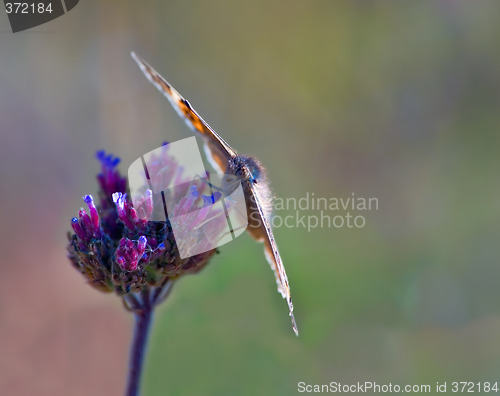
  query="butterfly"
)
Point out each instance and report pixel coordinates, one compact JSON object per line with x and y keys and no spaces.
{"x":248,"y":169}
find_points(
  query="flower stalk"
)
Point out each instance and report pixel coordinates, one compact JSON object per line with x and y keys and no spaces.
{"x":143,"y":319}
{"x":142,"y":305}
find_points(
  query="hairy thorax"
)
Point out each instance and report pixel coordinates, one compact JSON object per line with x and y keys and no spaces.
{"x":255,"y":184}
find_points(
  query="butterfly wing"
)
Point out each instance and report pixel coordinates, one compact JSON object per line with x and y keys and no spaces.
{"x":262,"y":232}
{"x":217,"y":150}
{"x":219,"y":153}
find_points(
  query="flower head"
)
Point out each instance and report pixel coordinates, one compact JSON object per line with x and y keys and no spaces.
{"x":117,"y":247}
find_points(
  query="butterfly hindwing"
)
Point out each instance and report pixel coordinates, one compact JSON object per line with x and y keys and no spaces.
{"x":262,"y":232}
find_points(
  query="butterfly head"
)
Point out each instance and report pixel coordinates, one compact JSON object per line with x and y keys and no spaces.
{"x":247,"y":169}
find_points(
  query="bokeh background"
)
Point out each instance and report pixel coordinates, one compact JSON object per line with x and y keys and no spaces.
{"x":394,"y":100}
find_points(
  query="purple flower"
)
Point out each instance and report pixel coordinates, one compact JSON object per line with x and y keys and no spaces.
{"x":115,"y":245}
{"x":130,"y":252}
{"x":87,"y":227}
{"x":109,"y":179}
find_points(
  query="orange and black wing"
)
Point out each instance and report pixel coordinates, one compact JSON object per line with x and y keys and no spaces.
{"x":218,"y":151}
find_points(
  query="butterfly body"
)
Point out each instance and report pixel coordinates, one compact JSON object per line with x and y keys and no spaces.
{"x":255,"y":183}
{"x":247,"y":170}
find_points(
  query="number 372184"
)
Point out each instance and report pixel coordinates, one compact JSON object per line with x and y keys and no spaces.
{"x":28,"y":8}
{"x":481,"y":387}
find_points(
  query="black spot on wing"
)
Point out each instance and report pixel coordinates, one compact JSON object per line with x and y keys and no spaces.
{"x":187,"y":104}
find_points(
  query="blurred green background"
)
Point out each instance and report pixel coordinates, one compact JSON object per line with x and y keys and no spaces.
{"x":393,"y":100}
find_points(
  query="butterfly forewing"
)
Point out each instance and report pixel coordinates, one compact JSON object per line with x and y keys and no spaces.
{"x":220,"y":151}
